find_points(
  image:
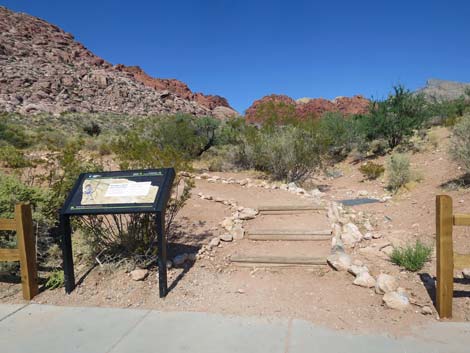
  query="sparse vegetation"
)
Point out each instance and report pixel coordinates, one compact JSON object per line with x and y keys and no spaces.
{"x":55,"y":280}
{"x":398,"y":170}
{"x":411,"y":257}
{"x":460,"y":143}
{"x":372,"y":171}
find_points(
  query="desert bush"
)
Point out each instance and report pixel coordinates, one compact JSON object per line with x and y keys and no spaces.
{"x":372,"y":170}
{"x":338,"y":135}
{"x":13,"y":157}
{"x":398,"y":170}
{"x":93,"y":129}
{"x":13,"y":134}
{"x":288,"y":152}
{"x":55,"y":280}
{"x":13,"y":191}
{"x":460,"y":143}
{"x":411,"y":257}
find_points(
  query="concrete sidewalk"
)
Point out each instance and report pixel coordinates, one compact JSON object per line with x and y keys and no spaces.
{"x":51,"y":329}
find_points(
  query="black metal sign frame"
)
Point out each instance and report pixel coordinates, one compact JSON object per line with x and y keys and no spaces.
{"x":163,"y":178}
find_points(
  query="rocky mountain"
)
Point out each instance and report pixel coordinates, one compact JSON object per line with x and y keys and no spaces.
{"x":44,"y":69}
{"x":443,"y":90}
{"x":305,"y":107}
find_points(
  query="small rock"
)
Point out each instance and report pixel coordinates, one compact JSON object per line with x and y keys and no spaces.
{"x":466,"y":273}
{"x":292,"y":186}
{"x":364,"y":279}
{"x":226,"y":237}
{"x":368,"y":226}
{"x":243,"y":182}
{"x":357,"y":270}
{"x":227,"y":223}
{"x":214,"y":242}
{"x":385,"y":284}
{"x":387,"y":250}
{"x":238,"y":232}
{"x":339,"y":261}
{"x":169,"y":264}
{"x":362,"y":193}
{"x":426,"y":310}
{"x":180,"y":259}
{"x":397,"y":301}
{"x":218,"y":199}
{"x":247,"y":213}
{"x":367,"y":236}
{"x":139,"y":274}
{"x":376,"y":235}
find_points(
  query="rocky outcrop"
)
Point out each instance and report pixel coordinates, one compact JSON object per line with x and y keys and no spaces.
{"x":442,"y":90}
{"x":177,"y":87}
{"x":43,"y":69}
{"x":303,"y":108}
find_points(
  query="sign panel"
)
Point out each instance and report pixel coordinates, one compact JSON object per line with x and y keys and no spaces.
{"x":120,"y":192}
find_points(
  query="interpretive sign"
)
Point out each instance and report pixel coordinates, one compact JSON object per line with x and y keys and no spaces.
{"x":122,"y":192}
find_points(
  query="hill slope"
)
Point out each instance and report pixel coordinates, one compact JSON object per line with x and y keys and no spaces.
{"x":43,"y":69}
{"x":443,"y":90}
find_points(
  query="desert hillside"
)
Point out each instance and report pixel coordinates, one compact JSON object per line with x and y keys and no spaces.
{"x":44,"y":69}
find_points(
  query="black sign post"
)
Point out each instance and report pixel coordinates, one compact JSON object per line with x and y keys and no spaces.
{"x":122,"y":192}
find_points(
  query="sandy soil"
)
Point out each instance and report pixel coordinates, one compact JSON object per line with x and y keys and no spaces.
{"x":318,"y":294}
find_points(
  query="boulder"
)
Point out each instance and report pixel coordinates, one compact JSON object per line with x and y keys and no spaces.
{"x":385,"y":284}
{"x":357,"y":270}
{"x":226,"y":237}
{"x":247,"y":213}
{"x":139,"y":274}
{"x":339,"y":261}
{"x":396,"y":300}
{"x":351,"y":234}
{"x":180,"y":259}
{"x":364,"y":279}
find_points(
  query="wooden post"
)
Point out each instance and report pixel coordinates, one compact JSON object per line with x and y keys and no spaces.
{"x":445,"y":256}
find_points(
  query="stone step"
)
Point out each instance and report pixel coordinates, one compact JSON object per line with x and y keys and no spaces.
{"x":289,"y":234}
{"x":277,"y":261}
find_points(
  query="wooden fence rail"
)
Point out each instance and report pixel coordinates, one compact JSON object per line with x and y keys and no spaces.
{"x":25,"y":252}
{"x":446,"y":259}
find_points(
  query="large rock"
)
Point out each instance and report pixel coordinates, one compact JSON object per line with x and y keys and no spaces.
{"x":339,"y":261}
{"x":351,"y":234}
{"x":139,"y":274}
{"x":247,"y":213}
{"x":364,"y":279}
{"x":304,"y":108}
{"x":385,"y":284}
{"x":396,"y":300}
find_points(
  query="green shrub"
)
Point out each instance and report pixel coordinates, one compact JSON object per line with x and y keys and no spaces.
{"x":55,"y":280}
{"x":13,"y":191}
{"x":13,"y":134}
{"x":93,"y":129}
{"x":372,"y":170}
{"x":411,"y":257}
{"x":13,"y":158}
{"x":288,"y":152}
{"x":338,"y":134}
{"x":394,"y":119}
{"x":460,"y":143}
{"x":398,"y":170}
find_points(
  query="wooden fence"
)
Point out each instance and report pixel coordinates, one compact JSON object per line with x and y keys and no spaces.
{"x":25,"y":252}
{"x":447,"y":260}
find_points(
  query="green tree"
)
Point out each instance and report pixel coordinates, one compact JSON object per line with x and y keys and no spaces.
{"x":396,"y":118}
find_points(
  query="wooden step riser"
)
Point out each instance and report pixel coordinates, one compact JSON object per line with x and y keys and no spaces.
{"x":288,"y":237}
{"x":278,"y":260}
{"x":290,"y":208}
{"x":288,"y":212}
{"x":269,"y":265}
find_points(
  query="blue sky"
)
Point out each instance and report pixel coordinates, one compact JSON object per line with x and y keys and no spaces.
{"x":243,"y":50}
